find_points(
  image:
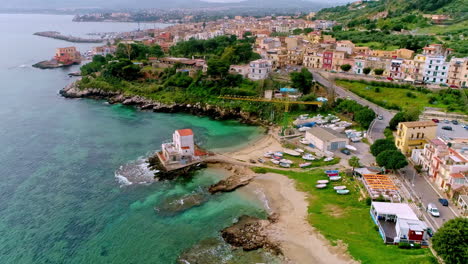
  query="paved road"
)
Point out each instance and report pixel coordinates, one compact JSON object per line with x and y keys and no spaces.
{"x":426,"y":192}
{"x":417,"y":186}
{"x":377,"y":128}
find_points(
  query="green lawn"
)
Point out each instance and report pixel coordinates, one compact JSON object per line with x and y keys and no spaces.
{"x":442,"y":29}
{"x":390,"y":96}
{"x":346,"y":218}
{"x":377,"y":45}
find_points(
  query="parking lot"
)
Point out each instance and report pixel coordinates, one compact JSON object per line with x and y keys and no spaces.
{"x":457,"y":130}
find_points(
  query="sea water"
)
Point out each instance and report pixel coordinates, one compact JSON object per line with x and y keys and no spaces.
{"x":61,"y":197}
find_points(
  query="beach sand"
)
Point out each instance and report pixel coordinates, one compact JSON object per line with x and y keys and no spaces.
{"x":300,"y":242}
{"x":256,"y":149}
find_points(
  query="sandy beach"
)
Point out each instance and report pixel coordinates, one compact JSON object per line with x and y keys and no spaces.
{"x":300,"y":242}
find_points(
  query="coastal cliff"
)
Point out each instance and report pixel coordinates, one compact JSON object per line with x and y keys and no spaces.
{"x":199,"y":109}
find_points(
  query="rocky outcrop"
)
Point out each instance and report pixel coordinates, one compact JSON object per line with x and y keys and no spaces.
{"x":180,"y":203}
{"x":200,"y":109}
{"x":249,"y":233}
{"x":231,"y":183}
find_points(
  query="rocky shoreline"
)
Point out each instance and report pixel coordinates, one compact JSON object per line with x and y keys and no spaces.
{"x":198,"y":109}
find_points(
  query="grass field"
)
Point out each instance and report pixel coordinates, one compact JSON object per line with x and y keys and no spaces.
{"x":442,"y":29}
{"x":390,"y":96}
{"x":377,"y":45}
{"x":346,"y":218}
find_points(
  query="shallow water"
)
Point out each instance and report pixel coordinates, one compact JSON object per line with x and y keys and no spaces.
{"x":59,"y":199}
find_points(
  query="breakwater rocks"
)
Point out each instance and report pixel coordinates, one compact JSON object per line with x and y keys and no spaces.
{"x":250,"y":233}
{"x":57,"y":35}
{"x":50,"y":64}
{"x":213,"y":111}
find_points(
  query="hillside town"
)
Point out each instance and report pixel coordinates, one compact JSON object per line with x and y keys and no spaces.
{"x":434,"y":164}
{"x":313,"y":49}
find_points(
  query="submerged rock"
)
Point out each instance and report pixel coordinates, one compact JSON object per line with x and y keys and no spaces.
{"x":179,"y":203}
{"x":216,"y":251}
{"x":249,"y":234}
{"x":231,"y":183}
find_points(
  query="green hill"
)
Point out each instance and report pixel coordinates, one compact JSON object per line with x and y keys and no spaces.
{"x":360,"y":18}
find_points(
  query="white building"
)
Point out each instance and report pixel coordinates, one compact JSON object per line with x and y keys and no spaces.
{"x":359,"y":65}
{"x":326,"y":139}
{"x":181,"y":149}
{"x":398,"y":223}
{"x":260,"y":69}
{"x":435,"y":70}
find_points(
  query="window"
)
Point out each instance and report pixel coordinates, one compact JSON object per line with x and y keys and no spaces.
{"x":437,"y":68}
{"x":441,"y":80}
{"x":430,"y":66}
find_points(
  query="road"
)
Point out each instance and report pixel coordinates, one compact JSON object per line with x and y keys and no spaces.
{"x":417,"y":185}
{"x":378,"y":127}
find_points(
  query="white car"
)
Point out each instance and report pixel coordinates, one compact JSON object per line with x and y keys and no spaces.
{"x":432,"y":209}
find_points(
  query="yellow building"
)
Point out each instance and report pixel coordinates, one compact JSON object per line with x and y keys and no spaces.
{"x":413,"y":135}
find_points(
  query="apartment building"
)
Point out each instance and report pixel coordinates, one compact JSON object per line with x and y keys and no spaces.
{"x":260,"y":69}
{"x":458,"y":72}
{"x":414,"y":135}
{"x":435,"y":70}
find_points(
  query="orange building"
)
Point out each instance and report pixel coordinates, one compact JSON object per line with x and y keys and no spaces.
{"x":67,"y":55}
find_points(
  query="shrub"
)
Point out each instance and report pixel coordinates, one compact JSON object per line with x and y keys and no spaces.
{"x":404,"y":245}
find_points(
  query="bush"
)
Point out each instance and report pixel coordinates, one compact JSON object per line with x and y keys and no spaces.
{"x":377,"y":89}
{"x":368,"y":201}
{"x":404,"y":245}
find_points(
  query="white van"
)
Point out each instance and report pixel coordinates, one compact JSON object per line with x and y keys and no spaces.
{"x":432,"y":209}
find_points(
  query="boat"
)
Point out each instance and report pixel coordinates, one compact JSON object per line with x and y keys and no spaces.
{"x":320,"y":186}
{"x":335,"y":178}
{"x":286,"y":161}
{"x":328,"y":159}
{"x":268,"y":154}
{"x":323,"y":181}
{"x":275,"y":161}
{"x":342,"y":191}
{"x":331,"y":172}
{"x":336,"y":188}
{"x":303,"y":165}
{"x":292,"y":152}
{"x":299,"y":150}
{"x":304,"y":141}
{"x":285,"y":165}
{"x":279,"y":154}
{"x":308,"y":157}
{"x":351,"y":148}
{"x":303,"y":129}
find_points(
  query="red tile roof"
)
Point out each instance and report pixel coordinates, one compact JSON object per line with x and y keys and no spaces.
{"x":185,"y":132}
{"x":457,"y":175}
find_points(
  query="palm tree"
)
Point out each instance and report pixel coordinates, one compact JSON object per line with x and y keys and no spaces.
{"x":354,"y":162}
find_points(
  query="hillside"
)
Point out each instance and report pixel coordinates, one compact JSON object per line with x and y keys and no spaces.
{"x":388,"y":12}
{"x":413,"y":18}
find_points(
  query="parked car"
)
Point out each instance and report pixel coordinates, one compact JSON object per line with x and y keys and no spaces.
{"x":432,"y":209}
{"x":447,"y":128}
{"x":380,"y":117}
{"x":454,"y":86}
{"x":446,"y":121}
{"x":435,"y":120}
{"x":346,"y":151}
{"x":253,"y":161}
{"x":455,"y":122}
{"x":443,"y":201}
{"x":261,"y":160}
{"x":430,"y":232}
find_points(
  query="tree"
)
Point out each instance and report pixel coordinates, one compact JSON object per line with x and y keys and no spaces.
{"x":391,"y":159}
{"x":451,"y":241}
{"x":380,"y":145}
{"x":409,"y":115}
{"x":302,"y":80}
{"x":346,"y":67}
{"x":379,"y":71}
{"x":354,"y":162}
{"x":365,"y":116}
{"x":217,"y":68}
{"x":156,"y":51}
{"x":297,"y":31}
{"x":366,"y":70}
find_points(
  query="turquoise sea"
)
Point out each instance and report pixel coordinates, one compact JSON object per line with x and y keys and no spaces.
{"x":60,"y":201}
